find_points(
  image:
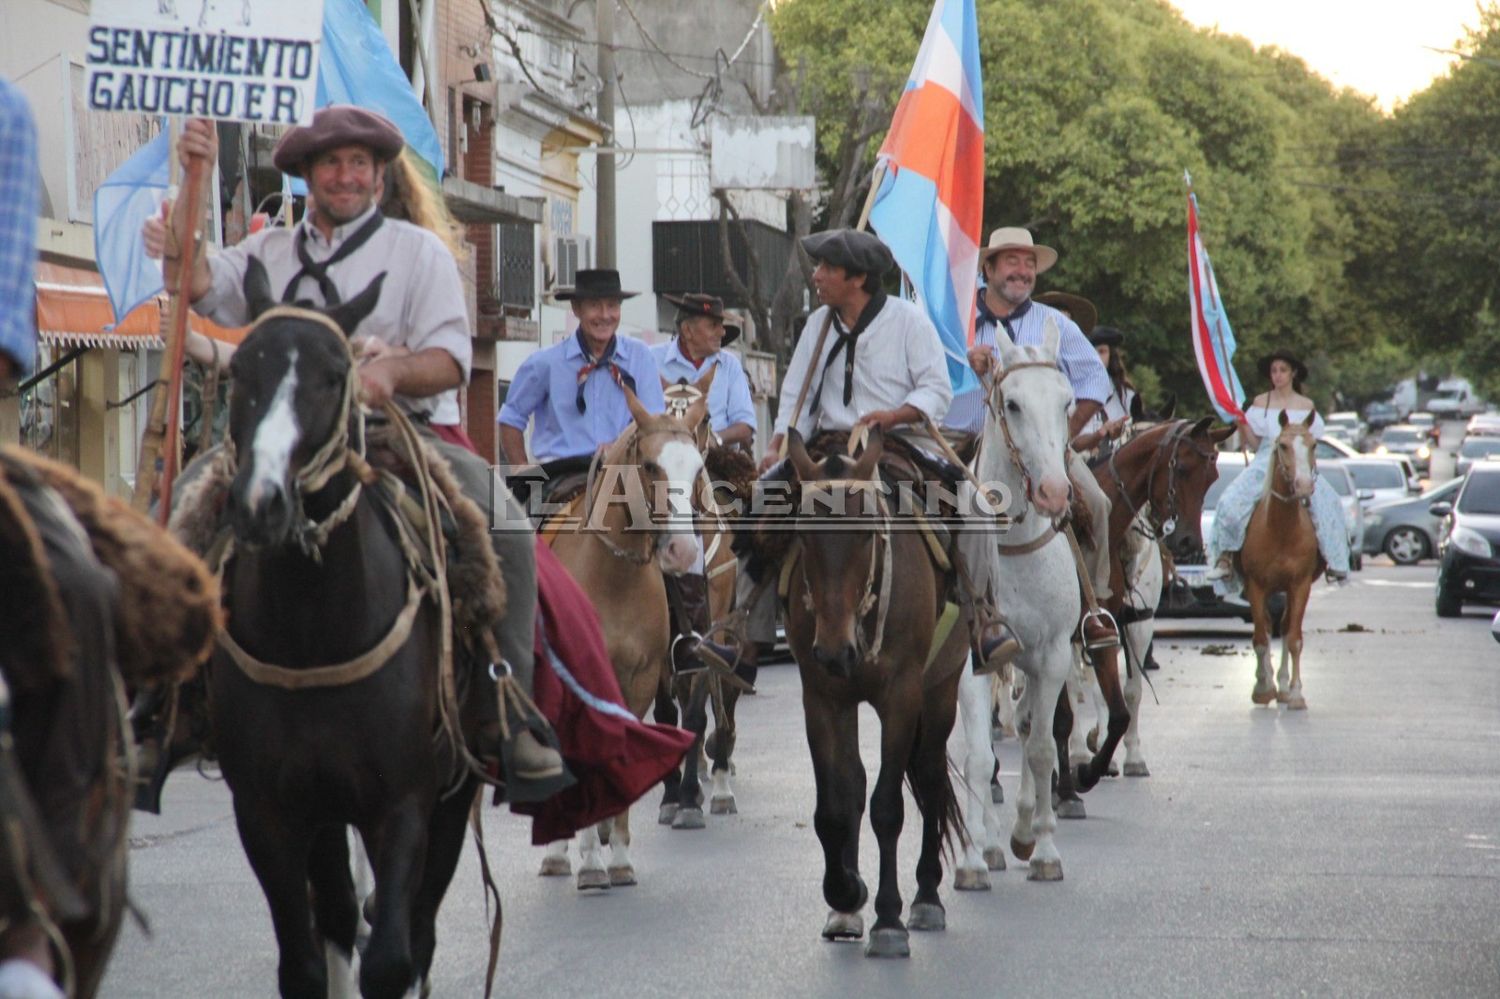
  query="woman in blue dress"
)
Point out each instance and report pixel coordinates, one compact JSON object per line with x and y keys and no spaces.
{"x":1258,"y":430}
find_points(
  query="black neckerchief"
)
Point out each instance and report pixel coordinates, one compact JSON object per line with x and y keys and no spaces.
{"x":319,"y":271}
{"x":848,"y":340}
{"x":605,"y":360}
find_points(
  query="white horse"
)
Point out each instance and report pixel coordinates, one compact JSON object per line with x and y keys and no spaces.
{"x":1035,"y":580}
{"x":971,"y":745}
{"x":1144,"y":579}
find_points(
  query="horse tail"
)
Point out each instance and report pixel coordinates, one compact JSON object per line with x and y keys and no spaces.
{"x":950,"y":816}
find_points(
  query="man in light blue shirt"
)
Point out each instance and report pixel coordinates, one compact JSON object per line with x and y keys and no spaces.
{"x":703,"y":330}
{"x":574,"y":390}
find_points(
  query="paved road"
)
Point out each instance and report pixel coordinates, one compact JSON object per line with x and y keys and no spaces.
{"x":1350,"y":850}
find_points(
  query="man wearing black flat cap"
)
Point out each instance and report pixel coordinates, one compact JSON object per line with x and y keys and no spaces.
{"x":339,"y":248}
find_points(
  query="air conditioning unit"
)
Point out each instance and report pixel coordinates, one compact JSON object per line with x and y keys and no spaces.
{"x":570,"y":255}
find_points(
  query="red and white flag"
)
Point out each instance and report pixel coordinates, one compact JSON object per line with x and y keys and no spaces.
{"x":1213,"y":340}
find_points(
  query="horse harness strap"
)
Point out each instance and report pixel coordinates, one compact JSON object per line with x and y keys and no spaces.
{"x":992,"y":400}
{"x":1034,"y":545}
{"x":340,"y":675}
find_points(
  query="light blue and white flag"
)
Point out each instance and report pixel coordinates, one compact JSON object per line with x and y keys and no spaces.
{"x":122,"y":204}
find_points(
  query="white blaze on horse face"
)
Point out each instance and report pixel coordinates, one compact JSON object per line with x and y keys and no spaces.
{"x":275,"y":439}
{"x":681,"y":463}
{"x":1302,"y":485}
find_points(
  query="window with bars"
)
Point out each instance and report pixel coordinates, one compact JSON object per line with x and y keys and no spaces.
{"x":515,"y":265}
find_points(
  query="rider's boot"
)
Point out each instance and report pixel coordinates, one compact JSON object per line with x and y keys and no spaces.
{"x":690,"y":621}
{"x":1223,"y":569}
{"x":998,"y":647}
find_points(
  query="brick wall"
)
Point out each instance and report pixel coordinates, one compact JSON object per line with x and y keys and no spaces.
{"x":482,"y":415}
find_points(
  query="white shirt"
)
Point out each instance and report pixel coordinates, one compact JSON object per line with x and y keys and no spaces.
{"x":898,"y":361}
{"x":1265,"y":421}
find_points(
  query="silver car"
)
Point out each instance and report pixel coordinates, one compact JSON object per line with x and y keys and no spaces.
{"x":1404,"y":529}
{"x":1353,"y":500}
{"x":1388,"y":477}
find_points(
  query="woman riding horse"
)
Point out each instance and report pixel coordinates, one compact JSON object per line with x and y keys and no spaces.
{"x":1258,"y":430}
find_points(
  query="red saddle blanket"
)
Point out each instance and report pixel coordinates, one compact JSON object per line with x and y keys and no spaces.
{"x":615,"y":756}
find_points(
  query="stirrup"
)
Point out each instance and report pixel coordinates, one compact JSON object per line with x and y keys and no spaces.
{"x":1099,"y":644}
{"x":1221,"y":570}
{"x":689,"y":662}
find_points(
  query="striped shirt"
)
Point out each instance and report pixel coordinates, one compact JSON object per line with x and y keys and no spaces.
{"x":899,"y":361}
{"x":1078,"y":358}
{"x":20,"y":204}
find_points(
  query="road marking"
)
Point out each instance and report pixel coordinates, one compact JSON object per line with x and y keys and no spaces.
{"x":1396,"y":582}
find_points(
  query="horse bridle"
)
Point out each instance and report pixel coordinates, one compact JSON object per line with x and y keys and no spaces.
{"x":869,"y":599}
{"x":1305,"y":501}
{"x":994,"y":401}
{"x":632,"y":457}
{"x":1181,"y":432}
{"x":333,"y":455}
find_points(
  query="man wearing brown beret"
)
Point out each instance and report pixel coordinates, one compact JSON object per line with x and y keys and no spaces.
{"x":416,"y":344}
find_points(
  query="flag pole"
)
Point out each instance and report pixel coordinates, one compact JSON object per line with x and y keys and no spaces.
{"x":147,"y":473}
{"x":1218,"y":334}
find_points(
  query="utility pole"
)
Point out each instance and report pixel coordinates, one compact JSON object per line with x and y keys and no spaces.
{"x":604,"y":221}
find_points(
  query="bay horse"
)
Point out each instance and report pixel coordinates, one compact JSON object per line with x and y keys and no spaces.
{"x":325,"y":692}
{"x":861,"y":631}
{"x":634,"y":523}
{"x":1280,"y":555}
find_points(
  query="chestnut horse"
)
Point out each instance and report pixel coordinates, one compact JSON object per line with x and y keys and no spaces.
{"x":861,"y":631}
{"x":1280,"y":555}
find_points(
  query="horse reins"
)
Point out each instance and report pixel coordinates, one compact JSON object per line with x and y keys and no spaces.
{"x":1180,"y":432}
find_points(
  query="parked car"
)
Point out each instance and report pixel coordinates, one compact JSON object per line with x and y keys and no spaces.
{"x":1409,"y":440}
{"x":1430,"y":423}
{"x":1346,"y":427}
{"x":1387,"y":477}
{"x":1353,"y":500}
{"x":1483,"y":424}
{"x":1381,"y":414}
{"x":1470,"y":571}
{"x":1187,"y":594}
{"x":1476,"y":449}
{"x":1405,"y":529}
{"x":1455,"y":404}
{"x":1333,"y":449}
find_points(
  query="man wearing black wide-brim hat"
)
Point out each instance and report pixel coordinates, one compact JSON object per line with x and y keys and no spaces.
{"x":703,"y":329}
{"x":419,"y":331}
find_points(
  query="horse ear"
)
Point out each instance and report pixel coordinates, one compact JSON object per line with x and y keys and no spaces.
{"x":1222,"y":434}
{"x":699,"y":409}
{"x":1281,"y":418}
{"x":257,"y":288}
{"x":1201,"y":426}
{"x":1170,"y":409}
{"x":1051,"y":337}
{"x":353,"y":312}
{"x":864,"y":468}
{"x":1307,"y":421}
{"x":796,"y":453}
{"x":637,"y":408}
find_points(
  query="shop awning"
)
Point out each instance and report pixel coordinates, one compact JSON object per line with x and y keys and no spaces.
{"x":72,"y":310}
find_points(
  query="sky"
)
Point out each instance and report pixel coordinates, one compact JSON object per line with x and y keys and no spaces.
{"x":1373,"y":46}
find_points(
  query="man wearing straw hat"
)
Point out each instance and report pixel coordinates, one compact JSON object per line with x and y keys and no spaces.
{"x":1011,"y":263}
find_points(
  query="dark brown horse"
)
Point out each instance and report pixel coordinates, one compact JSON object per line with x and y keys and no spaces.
{"x":861,"y":630}
{"x":325,"y":694}
{"x":1164,"y":473}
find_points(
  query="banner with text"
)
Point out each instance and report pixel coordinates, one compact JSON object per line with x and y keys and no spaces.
{"x":236,"y":60}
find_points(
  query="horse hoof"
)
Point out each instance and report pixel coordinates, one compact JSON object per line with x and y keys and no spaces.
{"x":1045,"y":870}
{"x":1296,"y":702}
{"x":592,"y":879}
{"x":666,"y":815}
{"x":1092,"y":739}
{"x":621,"y":877}
{"x":966,"y":879}
{"x":1021,"y":850}
{"x":1282,"y":696}
{"x":927,"y":917}
{"x":994,"y":858}
{"x":997,"y":794}
{"x":1083,"y":779}
{"x":1113,"y":770}
{"x":844,"y":926}
{"x":1260,"y":696}
{"x":1071,"y":808}
{"x":556,"y":867}
{"x":689,"y":818}
{"x":723,"y":804}
{"x":888,"y":943}
{"x":1137,"y":769}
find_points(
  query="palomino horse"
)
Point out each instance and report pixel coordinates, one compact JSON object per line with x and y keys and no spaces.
{"x":326,"y":692}
{"x":862,"y":631}
{"x":636,"y":522}
{"x":1280,"y":555}
{"x":1161,"y":476}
